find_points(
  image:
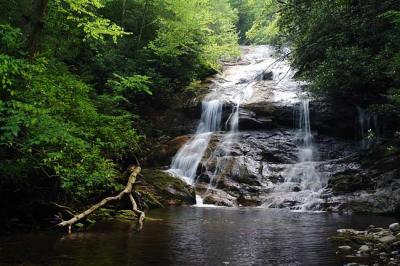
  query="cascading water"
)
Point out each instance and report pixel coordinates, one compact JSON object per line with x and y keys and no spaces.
{"x":224,"y":147}
{"x":302,"y":183}
{"x":237,"y":85}
{"x":186,"y":161}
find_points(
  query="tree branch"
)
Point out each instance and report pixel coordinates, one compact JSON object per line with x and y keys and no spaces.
{"x":135,"y":170}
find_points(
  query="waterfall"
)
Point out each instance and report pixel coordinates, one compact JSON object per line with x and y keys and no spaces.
{"x":310,"y":180}
{"x":237,"y":86}
{"x":302,"y":183}
{"x":186,"y":161}
{"x":224,"y":147}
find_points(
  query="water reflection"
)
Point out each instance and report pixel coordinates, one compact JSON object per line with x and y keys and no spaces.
{"x":194,"y":236}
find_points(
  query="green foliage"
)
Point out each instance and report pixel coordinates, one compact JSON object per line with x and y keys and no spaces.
{"x":48,"y":121}
{"x":265,"y":29}
{"x":135,"y":83}
{"x":248,"y":11}
{"x":84,"y":14}
{"x":196,"y":36}
{"x":68,"y":124}
{"x":11,"y":38}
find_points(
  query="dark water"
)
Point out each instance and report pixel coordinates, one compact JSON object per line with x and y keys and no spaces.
{"x":193,"y":236}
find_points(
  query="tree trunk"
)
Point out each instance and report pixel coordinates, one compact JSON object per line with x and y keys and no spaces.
{"x":127,"y":191}
{"x":123,"y":13}
{"x":37,"y":23}
{"x":143,"y":22}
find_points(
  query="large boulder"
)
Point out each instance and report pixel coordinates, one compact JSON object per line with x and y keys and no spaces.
{"x":157,"y":188}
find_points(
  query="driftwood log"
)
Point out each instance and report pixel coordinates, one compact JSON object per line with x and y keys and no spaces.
{"x":134,"y":172}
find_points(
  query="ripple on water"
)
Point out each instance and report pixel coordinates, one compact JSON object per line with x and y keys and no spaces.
{"x":194,"y":236}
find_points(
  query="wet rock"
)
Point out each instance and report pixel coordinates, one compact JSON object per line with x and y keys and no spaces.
{"x":164,"y":152}
{"x":374,"y":247}
{"x":349,"y":182}
{"x":395,"y":227}
{"x":248,"y":120}
{"x":350,"y":231}
{"x":268,"y":75}
{"x":337,"y":118}
{"x":216,"y":197}
{"x":371,"y":188}
{"x":255,"y":162}
{"x":249,"y":169}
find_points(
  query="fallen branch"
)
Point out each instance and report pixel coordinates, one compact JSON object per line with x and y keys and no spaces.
{"x":127,"y":191}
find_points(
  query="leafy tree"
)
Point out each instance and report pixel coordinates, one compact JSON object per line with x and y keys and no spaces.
{"x":346,"y":49}
{"x":75,"y":77}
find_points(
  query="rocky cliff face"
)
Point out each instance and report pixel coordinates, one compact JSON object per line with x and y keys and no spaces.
{"x":267,"y":147}
{"x":259,"y":161}
{"x":373,"y":186}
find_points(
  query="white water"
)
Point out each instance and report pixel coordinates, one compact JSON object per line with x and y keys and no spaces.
{"x":234,"y":86}
{"x":237,"y":85}
{"x":186,"y":161}
{"x":302,"y":184}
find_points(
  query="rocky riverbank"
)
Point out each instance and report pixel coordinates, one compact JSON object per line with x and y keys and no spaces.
{"x":374,"y":246}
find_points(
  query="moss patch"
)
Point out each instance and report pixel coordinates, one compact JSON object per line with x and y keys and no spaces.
{"x":159,"y":189}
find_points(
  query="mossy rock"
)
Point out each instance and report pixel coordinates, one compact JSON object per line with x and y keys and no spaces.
{"x":125,"y":215}
{"x":103,"y":214}
{"x":157,"y":189}
{"x":163,"y":180}
{"x":150,"y":199}
{"x":352,"y":239}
